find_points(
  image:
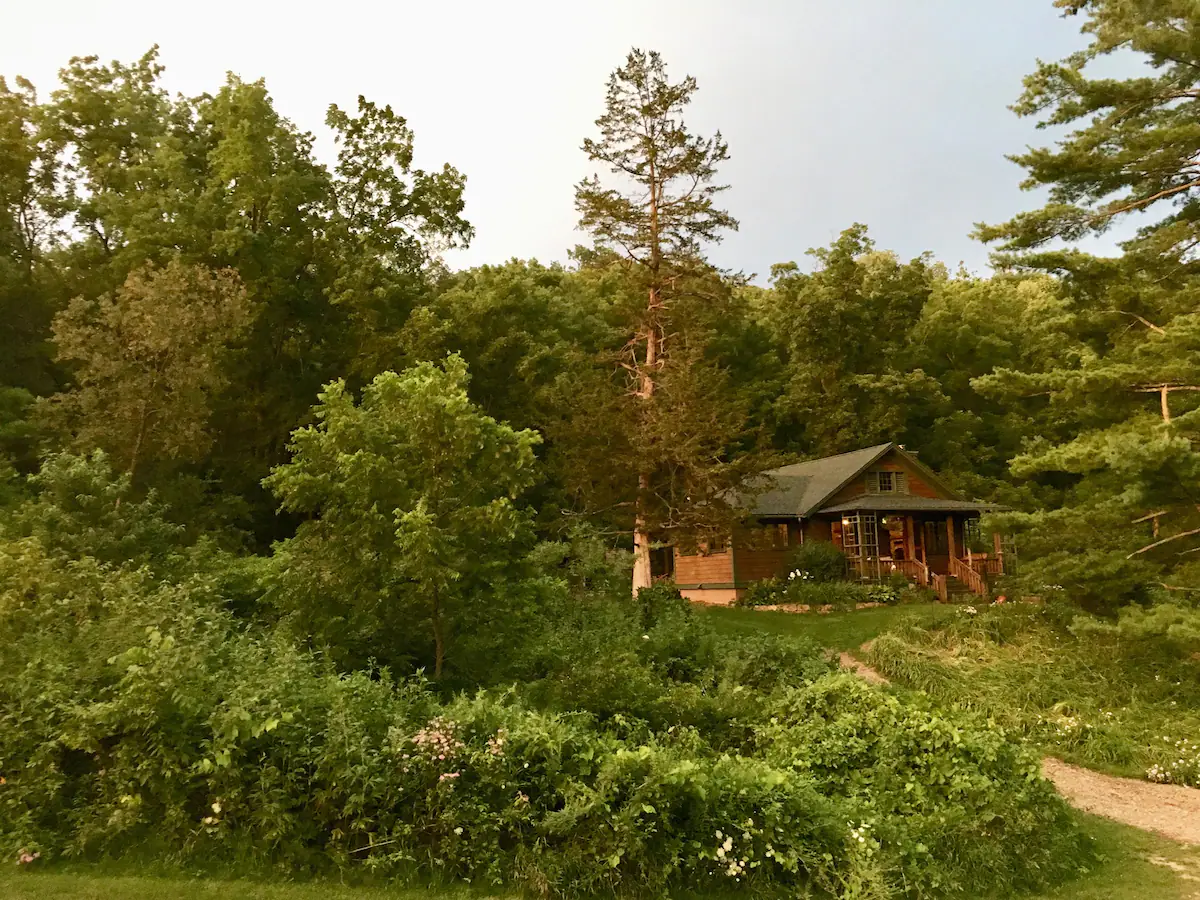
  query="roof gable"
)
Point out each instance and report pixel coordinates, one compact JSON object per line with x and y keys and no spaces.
{"x":802,"y":488}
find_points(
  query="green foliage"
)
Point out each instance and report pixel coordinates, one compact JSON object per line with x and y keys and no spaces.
{"x":413,"y":522}
{"x":138,"y":716}
{"x":819,"y":561}
{"x":81,"y":509}
{"x":1119,"y":696}
{"x":927,"y":784}
{"x":816,"y":595}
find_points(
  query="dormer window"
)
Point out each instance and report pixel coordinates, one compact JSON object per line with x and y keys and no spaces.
{"x":886,"y":481}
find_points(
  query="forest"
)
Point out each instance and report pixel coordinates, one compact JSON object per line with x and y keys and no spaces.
{"x":321,"y":560}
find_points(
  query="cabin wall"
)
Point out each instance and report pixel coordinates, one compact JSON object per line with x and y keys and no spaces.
{"x":755,"y":565}
{"x":710,"y":568}
{"x":817,"y":530}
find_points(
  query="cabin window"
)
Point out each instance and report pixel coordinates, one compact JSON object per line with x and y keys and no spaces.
{"x":886,"y":481}
{"x":769,"y":536}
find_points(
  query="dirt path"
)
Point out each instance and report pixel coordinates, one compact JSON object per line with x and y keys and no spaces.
{"x":1166,"y":809}
{"x":861,"y":669}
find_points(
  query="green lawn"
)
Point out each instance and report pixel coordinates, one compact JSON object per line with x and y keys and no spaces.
{"x":837,"y":631}
{"x":1136,"y":866}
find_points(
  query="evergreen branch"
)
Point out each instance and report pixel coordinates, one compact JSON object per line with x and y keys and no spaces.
{"x":1167,"y":540}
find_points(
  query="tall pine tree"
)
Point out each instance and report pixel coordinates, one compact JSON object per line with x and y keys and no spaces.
{"x":655,"y":213}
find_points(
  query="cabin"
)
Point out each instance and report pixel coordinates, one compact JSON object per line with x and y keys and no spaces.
{"x":884,"y":509}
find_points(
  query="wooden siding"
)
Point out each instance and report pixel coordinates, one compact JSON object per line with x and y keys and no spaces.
{"x":755,"y":565}
{"x":817,"y":530}
{"x":713,"y":568}
{"x":891,"y":462}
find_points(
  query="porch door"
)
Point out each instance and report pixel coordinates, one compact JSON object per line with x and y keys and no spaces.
{"x":936,"y":545}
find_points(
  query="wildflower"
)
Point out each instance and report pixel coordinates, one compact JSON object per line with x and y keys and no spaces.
{"x":495,"y":745}
{"x":216,"y":807}
{"x":24,"y":857}
{"x":645,"y":637}
{"x":446,"y":776}
{"x":458,"y":830}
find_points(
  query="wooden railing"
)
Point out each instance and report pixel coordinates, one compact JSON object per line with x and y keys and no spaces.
{"x":938,"y":583}
{"x":987,"y":565}
{"x":968,"y":576}
{"x":914,"y":570}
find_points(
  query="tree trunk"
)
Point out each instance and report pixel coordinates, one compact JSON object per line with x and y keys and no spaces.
{"x":439,"y":638}
{"x":641,"y":534}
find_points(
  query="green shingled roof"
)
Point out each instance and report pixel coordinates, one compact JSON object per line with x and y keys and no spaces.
{"x":910,"y":503}
{"x":801,"y":488}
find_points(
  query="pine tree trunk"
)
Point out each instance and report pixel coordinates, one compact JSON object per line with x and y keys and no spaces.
{"x":641,"y":534}
{"x":439,"y":638}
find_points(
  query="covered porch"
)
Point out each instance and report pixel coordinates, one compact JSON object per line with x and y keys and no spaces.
{"x":934,"y":542}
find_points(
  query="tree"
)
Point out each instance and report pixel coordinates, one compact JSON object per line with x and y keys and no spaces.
{"x":1139,"y":150}
{"x":656,"y":222}
{"x":411,"y":495}
{"x":148,"y":362}
{"x":1125,"y":388}
{"x":389,"y":222}
{"x":30,"y":167}
{"x":844,"y":333}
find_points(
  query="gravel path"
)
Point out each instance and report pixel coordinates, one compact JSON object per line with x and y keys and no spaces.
{"x":1167,"y":809}
{"x":1170,"y":810}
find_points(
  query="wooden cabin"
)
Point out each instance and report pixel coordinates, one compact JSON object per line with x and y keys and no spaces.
{"x":887,"y":511}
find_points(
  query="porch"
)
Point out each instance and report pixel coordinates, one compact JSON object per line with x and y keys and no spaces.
{"x":935,"y":543}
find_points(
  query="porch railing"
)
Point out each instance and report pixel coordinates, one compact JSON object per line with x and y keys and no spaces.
{"x":914,"y":570}
{"x":968,"y":576}
{"x":938,"y":583}
{"x":987,"y":565}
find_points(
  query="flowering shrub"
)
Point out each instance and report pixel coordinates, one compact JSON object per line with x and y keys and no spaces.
{"x":842,"y":595}
{"x":136,"y":714}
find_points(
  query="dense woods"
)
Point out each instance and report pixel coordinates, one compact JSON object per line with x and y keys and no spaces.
{"x":267,"y":465}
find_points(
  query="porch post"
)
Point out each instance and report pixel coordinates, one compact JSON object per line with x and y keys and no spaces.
{"x":998,"y":547}
{"x":910,"y":546}
{"x":950,"y":537}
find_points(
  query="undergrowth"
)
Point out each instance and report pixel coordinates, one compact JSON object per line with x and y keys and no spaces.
{"x":1093,"y":695}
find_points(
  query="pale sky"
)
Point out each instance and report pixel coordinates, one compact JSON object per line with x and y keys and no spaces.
{"x":888,"y":112}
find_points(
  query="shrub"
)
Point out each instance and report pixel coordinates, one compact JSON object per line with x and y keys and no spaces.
{"x":819,"y":561}
{"x":951,"y":803}
{"x":841,"y":595}
{"x":138,"y":715}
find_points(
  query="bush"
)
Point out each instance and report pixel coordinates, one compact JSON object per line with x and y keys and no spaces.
{"x":953,"y":805}
{"x":819,"y":561}
{"x":840,"y":595}
{"x":140,"y":716}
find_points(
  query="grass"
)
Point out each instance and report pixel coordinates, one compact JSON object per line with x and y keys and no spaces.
{"x":1112,"y":705}
{"x":1135,"y":866}
{"x":81,"y":884}
{"x":837,"y":631}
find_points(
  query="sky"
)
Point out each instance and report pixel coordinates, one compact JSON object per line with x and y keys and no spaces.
{"x":893,"y":114}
